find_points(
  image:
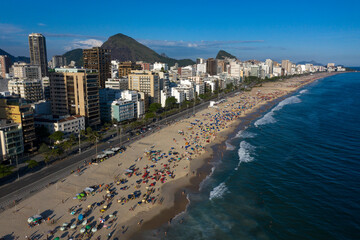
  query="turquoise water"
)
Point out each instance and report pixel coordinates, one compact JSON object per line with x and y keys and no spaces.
{"x":294,"y":173}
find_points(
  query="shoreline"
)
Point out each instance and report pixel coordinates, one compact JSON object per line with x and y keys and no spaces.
{"x":187,"y":172}
{"x":181,"y":202}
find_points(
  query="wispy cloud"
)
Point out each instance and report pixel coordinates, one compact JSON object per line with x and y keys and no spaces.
{"x":41,"y":24}
{"x":70,"y":35}
{"x":195,"y":44}
{"x":9,"y":28}
{"x":89,"y":43}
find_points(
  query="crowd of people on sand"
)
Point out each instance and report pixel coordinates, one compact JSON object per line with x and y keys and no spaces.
{"x":91,"y":216}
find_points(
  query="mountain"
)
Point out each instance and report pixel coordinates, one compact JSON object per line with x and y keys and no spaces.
{"x":223,"y":54}
{"x":124,"y":48}
{"x":75,"y":55}
{"x":15,"y":59}
{"x":311,"y":62}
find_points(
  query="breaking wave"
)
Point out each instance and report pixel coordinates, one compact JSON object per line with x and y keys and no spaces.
{"x":268,"y":118}
{"x":244,"y":152}
{"x":303,"y":91}
{"x":218,"y":191}
{"x":229,"y":146}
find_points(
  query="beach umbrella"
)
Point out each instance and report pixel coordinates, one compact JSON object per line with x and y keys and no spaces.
{"x":57,"y":238}
{"x":81,"y":231}
{"x":87,"y":227}
{"x":65,"y":224}
{"x":62,"y":228}
{"x":30,"y":219}
{"x":84,"y":222}
{"x":80,"y":217}
{"x":73,"y":226}
{"x":94,"y":229}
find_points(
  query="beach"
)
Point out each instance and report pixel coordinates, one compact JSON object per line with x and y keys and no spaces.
{"x":142,"y":187}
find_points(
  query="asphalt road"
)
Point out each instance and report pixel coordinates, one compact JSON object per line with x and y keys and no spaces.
{"x":29,"y":185}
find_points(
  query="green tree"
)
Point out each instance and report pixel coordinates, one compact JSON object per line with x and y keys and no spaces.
{"x":32,"y":164}
{"x":171,"y":102}
{"x":154,"y":107}
{"x":72,"y":138}
{"x":5,"y":170}
{"x":149,"y":115}
{"x":44,"y":148}
{"x":57,"y":136}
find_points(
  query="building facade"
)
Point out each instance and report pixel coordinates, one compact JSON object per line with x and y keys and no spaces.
{"x":30,"y":90}
{"x":38,"y":55}
{"x":122,"y":110}
{"x":5,"y":64}
{"x":99,"y":59}
{"x":146,"y":82}
{"x":24,"y":70}
{"x":76,"y":92}
{"x":12,"y":108}
{"x":11,"y":140}
{"x":58,"y":61}
{"x":125,"y":68}
{"x":117,"y":83}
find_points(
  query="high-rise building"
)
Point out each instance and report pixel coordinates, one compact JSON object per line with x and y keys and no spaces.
{"x":211,"y":66}
{"x":286,"y":65}
{"x":5,"y":64}
{"x":76,"y":92}
{"x":38,"y":56}
{"x":125,"y":68}
{"x":11,"y":140}
{"x":269,"y":62}
{"x":146,"y":82}
{"x":25,"y":70}
{"x":13,"y":108}
{"x":30,"y":90}
{"x":99,"y":59}
{"x":58,"y":61}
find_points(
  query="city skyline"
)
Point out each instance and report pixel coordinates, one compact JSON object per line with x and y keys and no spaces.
{"x":323,"y":31}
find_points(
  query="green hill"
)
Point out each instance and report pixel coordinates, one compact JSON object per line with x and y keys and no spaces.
{"x":75,"y":55}
{"x":124,"y":48}
{"x":15,"y":59}
{"x":223,"y":54}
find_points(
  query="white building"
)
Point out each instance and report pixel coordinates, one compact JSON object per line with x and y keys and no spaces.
{"x":25,"y":70}
{"x":235,"y":69}
{"x":30,"y":90}
{"x":114,"y":68}
{"x":200,"y":88}
{"x":277,"y":71}
{"x":68,"y":125}
{"x":139,"y":108}
{"x":200,"y":68}
{"x":164,"y":94}
{"x":178,"y":93}
{"x":160,"y":66}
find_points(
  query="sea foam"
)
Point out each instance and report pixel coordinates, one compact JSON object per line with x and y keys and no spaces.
{"x":244,"y":153}
{"x":303,"y":91}
{"x":268,"y":118}
{"x":218,"y":191}
{"x":229,"y":146}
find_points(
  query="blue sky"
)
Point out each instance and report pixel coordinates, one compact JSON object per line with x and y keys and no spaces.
{"x":324,"y":31}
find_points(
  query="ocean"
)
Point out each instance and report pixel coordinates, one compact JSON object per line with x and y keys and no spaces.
{"x":293,"y":173}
